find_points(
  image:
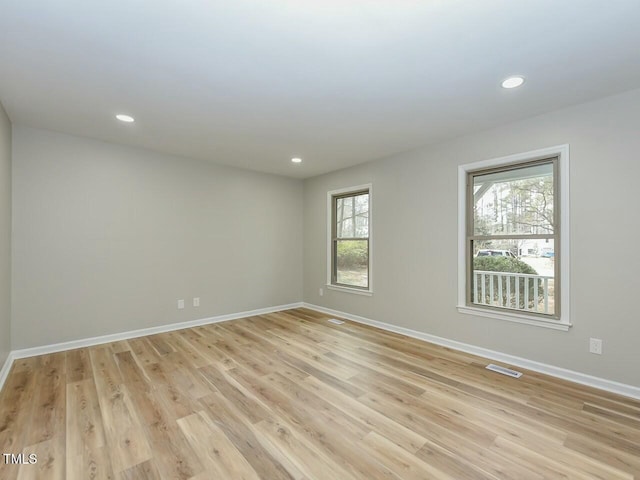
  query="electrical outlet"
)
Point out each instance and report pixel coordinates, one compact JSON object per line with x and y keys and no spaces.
{"x":180,"y":304}
{"x":595,"y":346}
{"x":196,"y":301}
{"x":321,"y":291}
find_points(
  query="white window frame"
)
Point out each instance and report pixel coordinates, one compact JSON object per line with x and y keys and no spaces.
{"x":329,"y":284}
{"x":564,"y":322}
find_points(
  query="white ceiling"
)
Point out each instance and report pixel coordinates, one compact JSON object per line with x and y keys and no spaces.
{"x":252,"y":83}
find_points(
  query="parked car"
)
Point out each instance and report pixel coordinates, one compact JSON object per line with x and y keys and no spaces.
{"x":548,"y":254}
{"x":495,"y":253}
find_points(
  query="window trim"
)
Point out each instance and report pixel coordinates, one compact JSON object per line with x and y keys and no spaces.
{"x":562,"y":186}
{"x":330,"y":196}
{"x":556,"y":235}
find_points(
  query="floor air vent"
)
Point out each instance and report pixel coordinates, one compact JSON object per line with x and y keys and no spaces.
{"x":336,"y":321}
{"x":504,"y":371}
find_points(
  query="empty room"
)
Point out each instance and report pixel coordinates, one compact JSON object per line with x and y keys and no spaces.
{"x":319,"y":240}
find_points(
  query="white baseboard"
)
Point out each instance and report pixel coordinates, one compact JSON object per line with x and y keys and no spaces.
{"x":4,"y":371}
{"x":572,"y":376}
{"x":115,"y":337}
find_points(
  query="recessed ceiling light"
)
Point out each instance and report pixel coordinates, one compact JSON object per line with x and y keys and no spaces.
{"x":125,"y":118}
{"x":513,"y":82}
{"x":296,"y":160}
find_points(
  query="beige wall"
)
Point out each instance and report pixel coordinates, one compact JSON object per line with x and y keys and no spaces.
{"x":107,"y":238}
{"x":415,"y":239}
{"x":5,"y":236}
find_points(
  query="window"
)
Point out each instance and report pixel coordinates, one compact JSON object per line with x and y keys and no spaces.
{"x":512,"y":245}
{"x":349,"y":239}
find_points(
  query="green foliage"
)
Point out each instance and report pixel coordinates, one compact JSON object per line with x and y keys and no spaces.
{"x":505,"y":265}
{"x":502,"y":264}
{"x":352,"y":254}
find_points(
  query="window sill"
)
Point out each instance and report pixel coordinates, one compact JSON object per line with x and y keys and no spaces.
{"x":357,"y":291}
{"x":516,"y":318}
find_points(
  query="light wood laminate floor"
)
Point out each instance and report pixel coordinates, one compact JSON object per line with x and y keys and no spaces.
{"x":291,"y":396}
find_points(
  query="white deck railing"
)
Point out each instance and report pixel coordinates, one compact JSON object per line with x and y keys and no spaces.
{"x":518,"y":291}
